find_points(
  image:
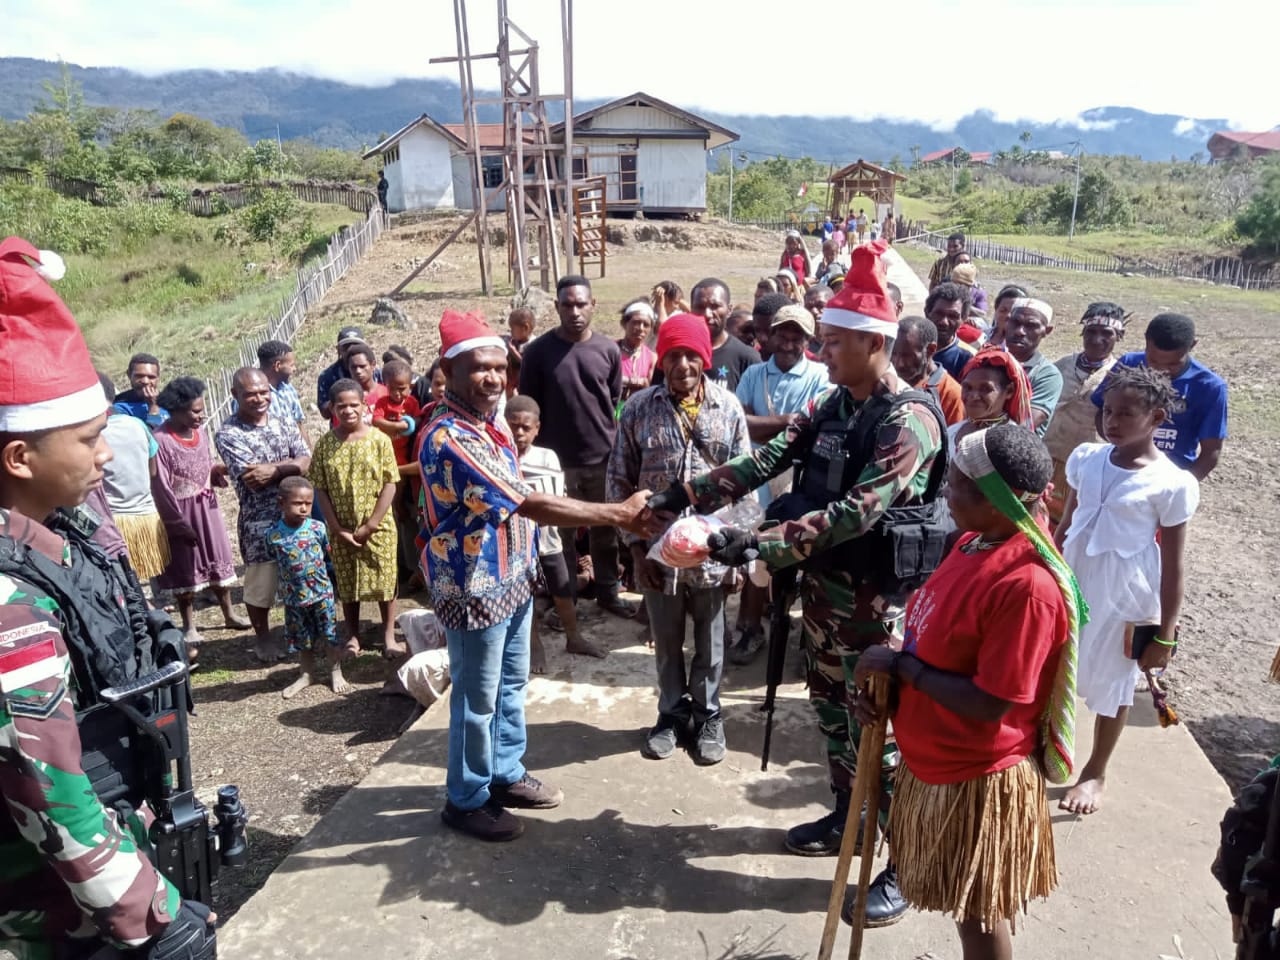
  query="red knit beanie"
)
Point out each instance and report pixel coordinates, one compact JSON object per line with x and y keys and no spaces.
{"x":688,"y":331}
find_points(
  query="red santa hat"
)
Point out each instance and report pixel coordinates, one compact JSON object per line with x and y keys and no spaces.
{"x":688,"y":331}
{"x":460,"y":332}
{"x":46,"y":377}
{"x":863,"y":302}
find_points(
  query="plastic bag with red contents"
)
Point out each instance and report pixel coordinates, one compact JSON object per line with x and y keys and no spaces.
{"x":684,"y":544}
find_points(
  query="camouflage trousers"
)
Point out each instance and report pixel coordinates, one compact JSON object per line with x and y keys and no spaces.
{"x":840,"y":621}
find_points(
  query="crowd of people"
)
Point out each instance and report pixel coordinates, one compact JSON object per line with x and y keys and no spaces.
{"x":1051,"y":500}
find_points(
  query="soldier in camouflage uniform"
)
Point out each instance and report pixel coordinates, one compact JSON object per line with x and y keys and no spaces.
{"x":844,"y":612}
{"x":73,"y":877}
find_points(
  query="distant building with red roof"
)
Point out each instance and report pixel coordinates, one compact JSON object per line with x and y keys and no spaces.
{"x":1225,"y":144}
{"x":944,"y":157}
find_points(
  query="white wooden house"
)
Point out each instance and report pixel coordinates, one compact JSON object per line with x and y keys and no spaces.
{"x":652,"y":155}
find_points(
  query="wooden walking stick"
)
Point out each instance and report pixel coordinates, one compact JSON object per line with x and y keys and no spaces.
{"x":866,"y":790}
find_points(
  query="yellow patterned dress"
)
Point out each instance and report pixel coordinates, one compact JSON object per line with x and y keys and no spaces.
{"x":352,"y":473}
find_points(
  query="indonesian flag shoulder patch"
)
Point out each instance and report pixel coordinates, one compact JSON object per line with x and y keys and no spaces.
{"x":30,"y":655}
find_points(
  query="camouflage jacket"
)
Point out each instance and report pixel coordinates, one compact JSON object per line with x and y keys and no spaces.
{"x":68,"y":868}
{"x":906,"y":445}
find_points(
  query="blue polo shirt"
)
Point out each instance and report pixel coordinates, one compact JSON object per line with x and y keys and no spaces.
{"x":955,"y":356}
{"x":766,"y":391}
{"x":1205,"y":417}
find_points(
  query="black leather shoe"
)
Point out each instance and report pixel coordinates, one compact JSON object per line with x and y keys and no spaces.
{"x":885,"y":905}
{"x":822,"y":837}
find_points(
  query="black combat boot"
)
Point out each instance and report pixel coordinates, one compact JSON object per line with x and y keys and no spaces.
{"x":885,"y":905}
{"x":822,"y":837}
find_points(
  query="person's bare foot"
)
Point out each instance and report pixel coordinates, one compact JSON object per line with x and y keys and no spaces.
{"x":537,"y":660}
{"x":584,"y":648}
{"x":193,"y":640}
{"x":234,"y":622}
{"x":393,"y":649}
{"x":266,"y":651}
{"x":305,"y":679}
{"x":337,"y":682}
{"x":351,"y":649}
{"x":1085,"y":797}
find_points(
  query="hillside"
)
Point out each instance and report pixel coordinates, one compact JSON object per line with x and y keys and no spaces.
{"x":344,"y":115}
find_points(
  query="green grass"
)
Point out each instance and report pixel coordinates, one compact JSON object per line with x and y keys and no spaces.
{"x":928,"y":209}
{"x":1140,"y":244}
{"x":183,"y":296}
{"x":211,"y":678}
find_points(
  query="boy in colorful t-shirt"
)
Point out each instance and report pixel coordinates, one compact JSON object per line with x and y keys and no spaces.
{"x":300,"y":547}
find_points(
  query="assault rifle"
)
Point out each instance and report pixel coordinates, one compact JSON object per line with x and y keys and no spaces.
{"x":188,"y":850}
{"x":784,"y":587}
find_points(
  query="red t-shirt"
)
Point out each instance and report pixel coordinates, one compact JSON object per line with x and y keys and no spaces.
{"x":385,"y":409}
{"x":997,"y":616}
{"x":795,"y":263}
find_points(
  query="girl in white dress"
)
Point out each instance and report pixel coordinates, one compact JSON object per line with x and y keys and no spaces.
{"x":1123,"y":493}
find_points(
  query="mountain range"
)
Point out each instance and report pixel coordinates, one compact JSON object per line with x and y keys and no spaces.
{"x":339,"y":114}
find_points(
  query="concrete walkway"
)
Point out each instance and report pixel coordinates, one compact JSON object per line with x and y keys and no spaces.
{"x":912,"y":287}
{"x":659,"y":860}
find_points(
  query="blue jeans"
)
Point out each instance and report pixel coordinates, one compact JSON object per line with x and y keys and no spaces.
{"x":490,"y":670}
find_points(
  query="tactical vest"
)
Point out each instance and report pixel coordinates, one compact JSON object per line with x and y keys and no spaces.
{"x":111,"y":638}
{"x":907,"y":543}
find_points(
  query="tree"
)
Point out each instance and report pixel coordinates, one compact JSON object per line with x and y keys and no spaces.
{"x":66,"y":101}
{"x":1260,"y":220}
{"x":1103,"y":203}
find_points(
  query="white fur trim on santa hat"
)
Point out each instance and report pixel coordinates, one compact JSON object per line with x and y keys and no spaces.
{"x":50,"y":414}
{"x":475,"y":343}
{"x":852,"y":320}
{"x":51,"y":266}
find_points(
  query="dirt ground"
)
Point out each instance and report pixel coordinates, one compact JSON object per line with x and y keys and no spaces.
{"x":294,"y":759}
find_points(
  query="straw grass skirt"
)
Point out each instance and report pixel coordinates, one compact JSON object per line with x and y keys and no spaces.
{"x":146,"y":541}
{"x":978,"y":850}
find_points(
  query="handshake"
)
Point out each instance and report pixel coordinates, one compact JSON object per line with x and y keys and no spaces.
{"x":729,"y":545}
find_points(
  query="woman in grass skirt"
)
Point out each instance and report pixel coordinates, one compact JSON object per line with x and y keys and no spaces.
{"x":986,"y":687}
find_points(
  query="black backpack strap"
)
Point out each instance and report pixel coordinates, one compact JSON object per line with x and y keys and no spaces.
{"x":867,"y":428}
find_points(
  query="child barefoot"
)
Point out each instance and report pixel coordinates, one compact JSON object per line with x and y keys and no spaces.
{"x":354,"y":472}
{"x":1124,"y":493}
{"x":300,"y":547}
{"x":540,"y":468}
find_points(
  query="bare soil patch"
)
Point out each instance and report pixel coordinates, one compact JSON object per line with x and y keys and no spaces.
{"x":294,"y":760}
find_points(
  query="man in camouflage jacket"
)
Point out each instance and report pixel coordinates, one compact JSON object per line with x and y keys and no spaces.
{"x":72,"y":877}
{"x":843,"y":613}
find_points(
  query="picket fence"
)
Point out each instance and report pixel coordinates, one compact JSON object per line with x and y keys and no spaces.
{"x":1232,"y":271}
{"x":207,"y":201}
{"x":346,"y":248}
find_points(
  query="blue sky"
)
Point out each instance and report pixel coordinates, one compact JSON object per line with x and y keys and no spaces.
{"x":1022,"y":59}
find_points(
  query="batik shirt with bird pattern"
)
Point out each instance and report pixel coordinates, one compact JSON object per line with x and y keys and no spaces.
{"x":480,"y":554}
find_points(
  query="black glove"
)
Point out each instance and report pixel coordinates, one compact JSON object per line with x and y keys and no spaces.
{"x":188,"y":937}
{"x":674,"y":500}
{"x":732,"y":546}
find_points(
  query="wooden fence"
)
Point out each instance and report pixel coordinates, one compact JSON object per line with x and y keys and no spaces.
{"x":1232,"y":271}
{"x":346,"y":248}
{"x":210,"y":201}
{"x":67,"y":186}
{"x":215,"y":200}
{"x":912,"y":228}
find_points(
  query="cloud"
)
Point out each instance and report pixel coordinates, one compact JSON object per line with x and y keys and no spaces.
{"x":700,"y":58}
